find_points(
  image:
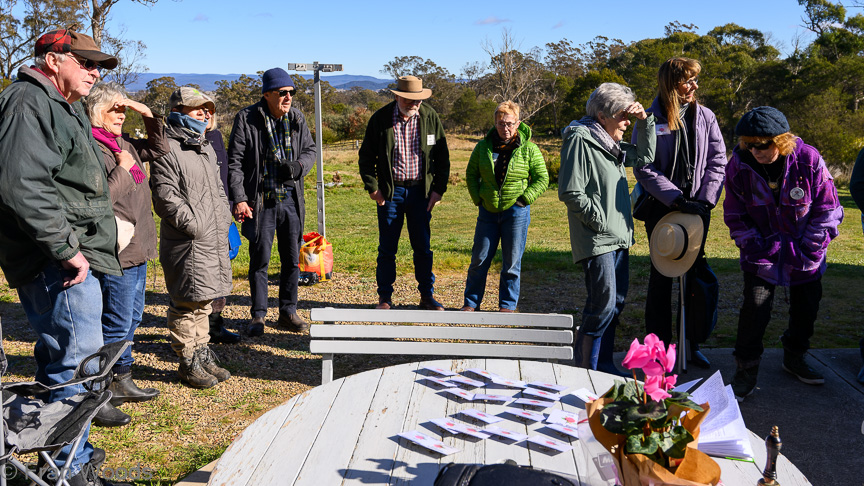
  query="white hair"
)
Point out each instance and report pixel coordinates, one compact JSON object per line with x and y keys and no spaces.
{"x":609,"y":99}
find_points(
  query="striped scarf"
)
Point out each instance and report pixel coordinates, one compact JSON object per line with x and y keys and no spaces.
{"x":273,"y":188}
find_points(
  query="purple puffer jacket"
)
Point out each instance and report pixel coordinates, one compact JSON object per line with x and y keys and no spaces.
{"x":783,"y":245}
{"x":710,"y":159}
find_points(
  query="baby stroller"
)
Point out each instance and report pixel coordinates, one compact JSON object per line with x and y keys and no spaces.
{"x":30,"y":425}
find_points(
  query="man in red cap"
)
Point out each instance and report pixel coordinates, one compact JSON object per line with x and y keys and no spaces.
{"x":56,"y":219}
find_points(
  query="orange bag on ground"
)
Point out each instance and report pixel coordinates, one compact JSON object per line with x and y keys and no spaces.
{"x":316,"y":256}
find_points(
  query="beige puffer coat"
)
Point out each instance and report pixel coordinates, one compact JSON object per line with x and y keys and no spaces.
{"x":188,"y":196}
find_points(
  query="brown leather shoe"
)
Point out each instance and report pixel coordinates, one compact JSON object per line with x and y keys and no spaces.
{"x":293,"y":323}
{"x":384,"y":305}
{"x":467,"y":308}
{"x":427,"y":302}
{"x":504,"y":309}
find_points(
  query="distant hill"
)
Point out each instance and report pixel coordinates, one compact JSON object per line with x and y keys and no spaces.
{"x":208,"y":81}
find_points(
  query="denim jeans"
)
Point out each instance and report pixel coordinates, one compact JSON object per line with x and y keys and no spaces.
{"x":122,"y":309}
{"x":607,"y":279}
{"x":68,"y":325}
{"x":408,"y":203}
{"x":281,"y":219}
{"x":756,"y":313}
{"x":511,"y":228}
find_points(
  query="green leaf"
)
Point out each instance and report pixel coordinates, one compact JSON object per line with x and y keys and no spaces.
{"x":617,"y":418}
{"x":683,"y":400}
{"x":653,"y":411}
{"x":674,"y":443}
{"x":639,"y":444}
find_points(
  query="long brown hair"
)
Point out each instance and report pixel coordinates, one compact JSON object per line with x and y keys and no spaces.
{"x":672,"y":73}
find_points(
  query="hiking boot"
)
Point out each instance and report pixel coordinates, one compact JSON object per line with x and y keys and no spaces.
{"x":111,"y":416}
{"x":218,"y":333}
{"x":797,"y":365}
{"x":292,"y":322}
{"x":208,"y":358}
{"x":255,"y":327}
{"x":123,"y":390}
{"x":89,"y":476}
{"x":384,"y":304}
{"x":428,"y":302}
{"x":744,"y":382}
{"x":193,"y":374}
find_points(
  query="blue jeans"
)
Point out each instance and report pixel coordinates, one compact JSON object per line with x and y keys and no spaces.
{"x":122,"y":309}
{"x":511,"y":228}
{"x":68,"y":323}
{"x":281,"y":219}
{"x":408,"y":203}
{"x":607,"y":278}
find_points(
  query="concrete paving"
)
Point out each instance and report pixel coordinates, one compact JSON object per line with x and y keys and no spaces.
{"x":821,"y":426}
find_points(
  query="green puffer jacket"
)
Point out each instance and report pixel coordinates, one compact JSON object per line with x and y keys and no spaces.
{"x":526,"y":174}
{"x":592,"y":184}
{"x":54,"y":199}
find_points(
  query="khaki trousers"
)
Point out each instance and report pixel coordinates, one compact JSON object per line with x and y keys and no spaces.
{"x":188,"y":325}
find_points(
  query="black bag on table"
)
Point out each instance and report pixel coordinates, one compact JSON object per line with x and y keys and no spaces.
{"x":703,"y":295}
{"x":500,"y":475}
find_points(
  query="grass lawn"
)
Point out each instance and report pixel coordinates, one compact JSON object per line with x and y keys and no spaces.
{"x":185,"y":429}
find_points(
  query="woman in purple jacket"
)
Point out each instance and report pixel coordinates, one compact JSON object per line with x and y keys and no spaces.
{"x":782,"y":210}
{"x":687,"y":176}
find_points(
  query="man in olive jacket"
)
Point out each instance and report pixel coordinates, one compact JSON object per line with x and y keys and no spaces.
{"x":269,"y":154}
{"x":56,"y":220}
{"x":405,"y":165}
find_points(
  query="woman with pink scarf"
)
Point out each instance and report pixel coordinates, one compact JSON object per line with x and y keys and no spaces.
{"x":123,"y":296}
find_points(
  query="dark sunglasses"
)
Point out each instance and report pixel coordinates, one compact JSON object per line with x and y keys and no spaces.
{"x":759,"y":146}
{"x":283,"y":92}
{"x":87,"y":64}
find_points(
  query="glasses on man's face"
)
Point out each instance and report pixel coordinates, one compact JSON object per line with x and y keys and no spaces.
{"x":760,"y":145}
{"x":86,"y":64}
{"x":503,"y":124}
{"x":284,"y":92}
{"x":692,"y":82}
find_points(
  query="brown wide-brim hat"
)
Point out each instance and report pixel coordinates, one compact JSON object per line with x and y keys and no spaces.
{"x":82,"y":45}
{"x":675,"y":243}
{"x":411,"y":87}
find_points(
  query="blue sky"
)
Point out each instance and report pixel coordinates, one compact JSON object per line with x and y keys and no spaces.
{"x":220,"y":36}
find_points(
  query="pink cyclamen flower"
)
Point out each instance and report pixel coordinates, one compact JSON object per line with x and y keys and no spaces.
{"x":655,"y":387}
{"x":637,"y":356}
{"x":670,"y":358}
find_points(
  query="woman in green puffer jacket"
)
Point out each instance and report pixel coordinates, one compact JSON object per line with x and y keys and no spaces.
{"x":506,"y":173}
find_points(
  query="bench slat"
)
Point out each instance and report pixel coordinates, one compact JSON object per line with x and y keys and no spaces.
{"x":330,"y":314}
{"x":441,"y":349}
{"x":358,"y":331}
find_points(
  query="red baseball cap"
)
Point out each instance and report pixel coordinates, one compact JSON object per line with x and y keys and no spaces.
{"x":67,"y":40}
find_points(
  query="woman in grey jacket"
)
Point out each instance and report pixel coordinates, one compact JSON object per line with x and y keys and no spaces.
{"x":687,"y":175}
{"x":193,"y":247}
{"x":592,"y":184}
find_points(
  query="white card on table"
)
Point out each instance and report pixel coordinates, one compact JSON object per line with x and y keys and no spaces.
{"x":469,"y":430}
{"x":585,"y":395}
{"x":440,"y":371}
{"x":525,"y":414}
{"x":558,"y":416}
{"x":439,"y":381}
{"x":550,"y":443}
{"x":424,"y":440}
{"x":446,"y":424}
{"x":533,"y":403}
{"x":541,"y":394}
{"x":565,"y":429}
{"x":460,"y":393}
{"x":491,"y":398}
{"x":507,"y":382}
{"x":482,"y":372}
{"x":467,"y":381}
{"x":494,"y":429}
{"x":548,"y":386}
{"x":483,"y":416}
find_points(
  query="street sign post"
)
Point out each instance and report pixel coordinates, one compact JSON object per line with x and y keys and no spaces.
{"x":319,"y":163}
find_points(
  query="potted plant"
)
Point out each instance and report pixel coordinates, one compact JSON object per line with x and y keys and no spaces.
{"x":650,"y":430}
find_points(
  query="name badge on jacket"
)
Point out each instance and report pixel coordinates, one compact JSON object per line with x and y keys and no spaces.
{"x":430,"y":139}
{"x":662,"y":129}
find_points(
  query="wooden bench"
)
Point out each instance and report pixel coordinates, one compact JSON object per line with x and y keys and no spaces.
{"x":528,"y":336}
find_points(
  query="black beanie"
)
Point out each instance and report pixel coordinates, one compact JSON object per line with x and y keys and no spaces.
{"x":762,"y":121}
